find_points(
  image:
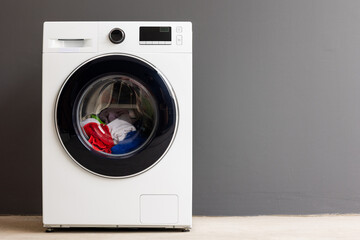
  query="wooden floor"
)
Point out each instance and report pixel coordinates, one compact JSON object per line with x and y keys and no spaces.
{"x":207,"y":228}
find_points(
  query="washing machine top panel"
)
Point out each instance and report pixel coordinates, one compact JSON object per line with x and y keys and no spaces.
{"x":116,"y":115}
{"x":129,"y":37}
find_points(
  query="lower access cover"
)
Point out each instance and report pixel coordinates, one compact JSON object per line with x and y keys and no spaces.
{"x":159,"y":209}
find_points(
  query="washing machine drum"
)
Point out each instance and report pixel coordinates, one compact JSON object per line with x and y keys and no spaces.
{"x":116,"y":116}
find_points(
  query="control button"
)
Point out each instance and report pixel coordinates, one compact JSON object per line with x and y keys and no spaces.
{"x":155,"y":42}
{"x":179,"y":29}
{"x":168,"y":43}
{"x":179,"y":40}
{"x":116,"y":35}
{"x":161,"y":43}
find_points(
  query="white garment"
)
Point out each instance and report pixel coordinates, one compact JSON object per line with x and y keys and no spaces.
{"x":89,"y":120}
{"x":119,"y":128}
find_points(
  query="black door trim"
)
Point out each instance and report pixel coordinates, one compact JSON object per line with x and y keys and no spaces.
{"x":98,"y":164}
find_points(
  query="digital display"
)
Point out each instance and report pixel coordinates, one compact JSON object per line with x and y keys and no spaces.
{"x":155,"y":34}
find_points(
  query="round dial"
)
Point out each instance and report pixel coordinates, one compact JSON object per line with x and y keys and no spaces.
{"x":116,"y":35}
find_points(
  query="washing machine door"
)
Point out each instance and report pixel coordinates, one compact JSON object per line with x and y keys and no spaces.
{"x":116,"y":115}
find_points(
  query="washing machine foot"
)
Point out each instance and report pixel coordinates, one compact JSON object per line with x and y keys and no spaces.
{"x":49,"y":230}
{"x":186,"y":230}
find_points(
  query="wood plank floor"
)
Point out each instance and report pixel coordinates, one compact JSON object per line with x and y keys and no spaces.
{"x":207,"y":228}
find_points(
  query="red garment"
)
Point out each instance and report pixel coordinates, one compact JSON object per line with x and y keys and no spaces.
{"x":99,"y":136}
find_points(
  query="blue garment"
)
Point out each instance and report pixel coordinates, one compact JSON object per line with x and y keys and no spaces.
{"x":132,"y":141}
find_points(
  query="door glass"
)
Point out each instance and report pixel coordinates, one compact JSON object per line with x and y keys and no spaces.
{"x":116,"y":115}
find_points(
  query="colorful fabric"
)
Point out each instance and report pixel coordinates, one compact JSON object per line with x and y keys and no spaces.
{"x":99,"y":136}
{"x":97,"y":118}
{"x":88,"y":120}
{"x":132,"y":141}
{"x":119,"y":128}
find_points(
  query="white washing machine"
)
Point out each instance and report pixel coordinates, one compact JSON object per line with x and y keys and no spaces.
{"x":117,"y":124}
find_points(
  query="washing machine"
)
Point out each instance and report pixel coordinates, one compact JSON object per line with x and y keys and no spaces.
{"x":117,"y":124}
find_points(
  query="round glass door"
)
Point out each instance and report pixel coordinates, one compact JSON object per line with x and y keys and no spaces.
{"x":116,"y":116}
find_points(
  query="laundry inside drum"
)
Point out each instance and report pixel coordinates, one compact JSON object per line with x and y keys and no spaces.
{"x":116,"y":115}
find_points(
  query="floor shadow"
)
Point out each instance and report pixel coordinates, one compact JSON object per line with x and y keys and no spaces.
{"x":33,"y":224}
{"x":113,"y":230}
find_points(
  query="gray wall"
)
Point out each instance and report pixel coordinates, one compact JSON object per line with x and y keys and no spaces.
{"x":276,"y":101}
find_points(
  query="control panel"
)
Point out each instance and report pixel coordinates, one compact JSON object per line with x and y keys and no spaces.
{"x":125,"y":37}
{"x":159,"y":35}
{"x":155,"y":35}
